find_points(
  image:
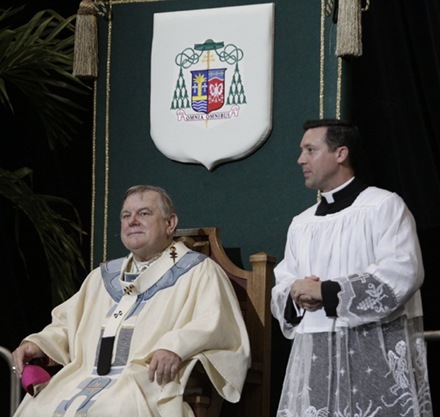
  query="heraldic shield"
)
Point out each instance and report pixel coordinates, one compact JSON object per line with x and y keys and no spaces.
{"x":211,"y":97}
{"x":208,"y":90}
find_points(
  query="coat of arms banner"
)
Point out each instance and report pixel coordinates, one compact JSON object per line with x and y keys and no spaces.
{"x":211,"y":83}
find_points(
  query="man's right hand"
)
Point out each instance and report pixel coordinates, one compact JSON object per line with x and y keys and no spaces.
{"x":307,"y":293}
{"x":164,"y":366}
{"x":25,"y":353}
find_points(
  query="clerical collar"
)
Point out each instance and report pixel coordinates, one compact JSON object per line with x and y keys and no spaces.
{"x":340,"y":198}
{"x":329,"y":195}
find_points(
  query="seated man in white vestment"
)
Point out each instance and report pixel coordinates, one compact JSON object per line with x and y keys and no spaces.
{"x":128,"y":340}
{"x":347,"y":292}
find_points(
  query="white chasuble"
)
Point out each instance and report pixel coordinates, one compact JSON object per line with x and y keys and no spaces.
{"x":188,"y":308}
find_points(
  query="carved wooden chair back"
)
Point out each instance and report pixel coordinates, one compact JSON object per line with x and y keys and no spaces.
{"x":253,"y":292}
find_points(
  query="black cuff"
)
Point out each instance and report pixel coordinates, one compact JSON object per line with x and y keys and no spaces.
{"x":329,"y":290}
{"x":290,"y":313}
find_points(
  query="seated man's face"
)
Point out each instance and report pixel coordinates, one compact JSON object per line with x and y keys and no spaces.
{"x":145,"y":231}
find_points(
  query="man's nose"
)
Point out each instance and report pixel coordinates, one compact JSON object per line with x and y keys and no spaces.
{"x":300,"y":159}
{"x":133,"y":220}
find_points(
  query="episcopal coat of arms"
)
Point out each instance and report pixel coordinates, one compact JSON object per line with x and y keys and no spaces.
{"x":219,"y":103}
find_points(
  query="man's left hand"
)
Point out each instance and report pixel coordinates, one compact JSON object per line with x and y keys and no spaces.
{"x":307,"y":293}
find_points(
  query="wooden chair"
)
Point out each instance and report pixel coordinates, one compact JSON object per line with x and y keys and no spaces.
{"x":253,"y":292}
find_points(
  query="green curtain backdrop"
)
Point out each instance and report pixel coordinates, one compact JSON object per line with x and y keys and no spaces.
{"x":251,"y":200}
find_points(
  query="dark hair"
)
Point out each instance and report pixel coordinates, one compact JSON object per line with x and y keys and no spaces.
{"x":167,"y":204}
{"x":339,"y":133}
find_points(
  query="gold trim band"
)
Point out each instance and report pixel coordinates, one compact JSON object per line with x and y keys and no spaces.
{"x":321,"y":62}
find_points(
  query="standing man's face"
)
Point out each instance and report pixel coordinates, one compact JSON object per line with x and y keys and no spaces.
{"x":320,"y":165}
{"x":145,"y":230}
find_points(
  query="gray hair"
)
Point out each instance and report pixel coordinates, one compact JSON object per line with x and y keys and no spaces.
{"x":167,"y":205}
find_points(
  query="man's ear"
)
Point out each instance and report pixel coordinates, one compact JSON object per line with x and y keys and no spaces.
{"x":172,"y":224}
{"x":342,"y":154}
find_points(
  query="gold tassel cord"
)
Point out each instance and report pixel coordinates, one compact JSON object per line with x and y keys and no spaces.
{"x":347,"y":14}
{"x":85,"y":61}
{"x":329,"y":7}
{"x":349,"y":35}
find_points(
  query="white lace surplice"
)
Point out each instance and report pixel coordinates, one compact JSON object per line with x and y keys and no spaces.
{"x":371,"y":360}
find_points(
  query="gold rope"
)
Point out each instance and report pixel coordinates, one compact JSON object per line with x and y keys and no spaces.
{"x":339,"y":89}
{"x":93,"y":208}
{"x":321,"y":64}
{"x":329,"y":7}
{"x":326,"y":9}
{"x":107,"y":136}
{"x":321,"y":72}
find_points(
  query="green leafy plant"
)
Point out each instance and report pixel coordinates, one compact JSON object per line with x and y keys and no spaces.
{"x":54,"y":230}
{"x":36,"y":61}
{"x":36,"y":58}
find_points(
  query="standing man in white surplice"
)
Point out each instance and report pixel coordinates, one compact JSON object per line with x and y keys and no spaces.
{"x":347,"y":292}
